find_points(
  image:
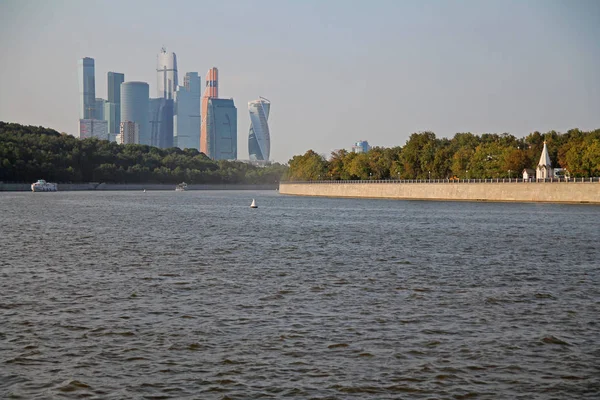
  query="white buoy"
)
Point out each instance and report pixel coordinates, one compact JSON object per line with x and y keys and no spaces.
{"x":253,"y":205}
{"x":144,"y":190}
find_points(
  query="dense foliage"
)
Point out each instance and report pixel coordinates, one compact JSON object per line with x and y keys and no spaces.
{"x":464,"y":156}
{"x":29,"y":153}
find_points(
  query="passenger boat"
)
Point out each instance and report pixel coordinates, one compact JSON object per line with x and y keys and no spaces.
{"x":182,"y":187}
{"x":43,"y":186}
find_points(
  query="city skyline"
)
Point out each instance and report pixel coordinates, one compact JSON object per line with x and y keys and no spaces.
{"x":374,"y":71}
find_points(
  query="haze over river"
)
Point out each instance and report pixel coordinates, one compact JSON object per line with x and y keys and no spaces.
{"x":193,"y":295}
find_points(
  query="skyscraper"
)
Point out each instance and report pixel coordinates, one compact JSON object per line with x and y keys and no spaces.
{"x":112,"y":108}
{"x":166,"y":69}
{"x":87,"y":88}
{"x":114,"y":80}
{"x":161,"y":122}
{"x":221,"y":129}
{"x":186,"y":121}
{"x":135,"y":107}
{"x":211,"y":91}
{"x":259,"y":138}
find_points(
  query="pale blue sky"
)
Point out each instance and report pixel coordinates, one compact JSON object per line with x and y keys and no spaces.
{"x":335,"y":71}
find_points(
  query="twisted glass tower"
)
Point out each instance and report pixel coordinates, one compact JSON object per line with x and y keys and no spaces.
{"x":259,"y":139}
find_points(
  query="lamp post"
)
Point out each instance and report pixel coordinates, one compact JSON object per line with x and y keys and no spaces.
{"x":429,"y":176}
{"x":509,"y":171}
{"x":467,"y":173}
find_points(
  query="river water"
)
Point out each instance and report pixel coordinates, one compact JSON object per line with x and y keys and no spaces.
{"x":193,"y":295}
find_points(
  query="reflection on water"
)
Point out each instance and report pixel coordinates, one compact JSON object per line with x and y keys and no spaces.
{"x":195,"y":295}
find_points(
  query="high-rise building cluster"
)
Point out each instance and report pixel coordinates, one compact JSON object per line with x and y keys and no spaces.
{"x":179,"y":116}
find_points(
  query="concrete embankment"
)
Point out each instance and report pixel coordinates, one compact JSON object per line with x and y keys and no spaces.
{"x":548,"y":192}
{"x":62,"y":187}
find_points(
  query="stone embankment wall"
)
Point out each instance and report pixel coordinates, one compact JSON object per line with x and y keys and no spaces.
{"x":551,"y":192}
{"x":63,"y":187}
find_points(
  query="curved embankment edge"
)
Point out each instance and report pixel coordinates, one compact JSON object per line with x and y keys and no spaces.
{"x":538,"y":192}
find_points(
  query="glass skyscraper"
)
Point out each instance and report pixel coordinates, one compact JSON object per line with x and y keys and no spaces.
{"x":259,"y":138}
{"x":114,"y":80}
{"x":135,"y":108}
{"x":161,"y":122}
{"x":112,"y":108}
{"x":187,"y":113}
{"x":87,"y":88}
{"x":166,"y":70}
{"x":221,"y":129}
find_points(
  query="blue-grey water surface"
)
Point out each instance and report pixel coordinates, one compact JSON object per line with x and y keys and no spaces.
{"x":193,"y":295}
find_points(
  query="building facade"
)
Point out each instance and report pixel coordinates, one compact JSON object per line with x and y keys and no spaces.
{"x":166,"y":70}
{"x":87,"y":88}
{"x":89,"y":128}
{"x":187,"y":121}
{"x":211,"y":90}
{"x":114,"y":80}
{"x":129,"y":133}
{"x":362,"y":146}
{"x":135,"y":108}
{"x":259,"y":138}
{"x":221,"y":129}
{"x":99,"y":109}
{"x":112,"y":115}
{"x":112,"y":107}
{"x":161,"y":122}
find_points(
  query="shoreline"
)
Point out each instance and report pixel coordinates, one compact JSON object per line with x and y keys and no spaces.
{"x":71,"y":187}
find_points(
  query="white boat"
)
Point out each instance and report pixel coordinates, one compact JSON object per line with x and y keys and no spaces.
{"x":43,"y":186}
{"x":182,"y":187}
{"x":253,"y":205}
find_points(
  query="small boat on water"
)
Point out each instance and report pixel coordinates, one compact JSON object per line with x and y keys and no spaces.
{"x":182,"y":187}
{"x":43,"y":186}
{"x":253,"y":205}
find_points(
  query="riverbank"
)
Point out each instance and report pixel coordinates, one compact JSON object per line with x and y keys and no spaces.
{"x":537,"y":192}
{"x":62,"y":187}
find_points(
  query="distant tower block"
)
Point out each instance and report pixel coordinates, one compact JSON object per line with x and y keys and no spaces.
{"x":259,"y":137}
{"x":210,"y":92}
{"x":166,"y":69}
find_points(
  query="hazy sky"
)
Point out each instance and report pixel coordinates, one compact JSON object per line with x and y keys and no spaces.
{"x":335,"y":71}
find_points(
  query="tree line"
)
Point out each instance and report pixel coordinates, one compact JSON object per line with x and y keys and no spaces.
{"x":465,"y":156}
{"x":29,"y":153}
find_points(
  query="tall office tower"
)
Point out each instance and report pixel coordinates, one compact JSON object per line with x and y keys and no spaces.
{"x":112,"y":108}
{"x":129,"y":133}
{"x":161,"y":123}
{"x":135,"y":107}
{"x":259,"y":138}
{"x":166,"y":69}
{"x":93,"y":128}
{"x":114,"y":80}
{"x":99,"y":109}
{"x":186,"y":122}
{"x":87,"y":88}
{"x":211,"y":91}
{"x":221,"y":129}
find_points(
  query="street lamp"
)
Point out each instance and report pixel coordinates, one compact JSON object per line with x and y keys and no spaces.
{"x":509,"y":171}
{"x":370,"y":175}
{"x":429,"y":175}
{"x":467,"y":173}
